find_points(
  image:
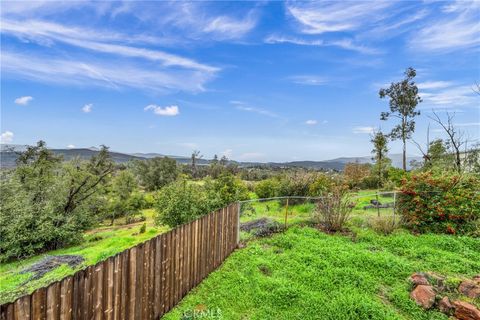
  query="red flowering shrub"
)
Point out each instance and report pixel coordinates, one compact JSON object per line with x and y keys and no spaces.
{"x":441,"y":204}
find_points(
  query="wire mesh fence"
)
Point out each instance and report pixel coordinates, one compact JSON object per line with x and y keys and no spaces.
{"x":271,"y":214}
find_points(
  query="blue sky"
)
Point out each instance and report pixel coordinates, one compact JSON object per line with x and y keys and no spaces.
{"x":255,"y":81}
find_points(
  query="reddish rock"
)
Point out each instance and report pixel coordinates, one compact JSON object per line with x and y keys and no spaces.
{"x":418,"y":279}
{"x":424,"y":296}
{"x":476,"y":279}
{"x":470,"y":288}
{"x":466,"y":311}
{"x":445,"y":306}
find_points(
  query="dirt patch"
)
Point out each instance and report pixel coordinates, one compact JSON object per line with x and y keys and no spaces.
{"x":40,"y":268}
{"x":262,"y":227}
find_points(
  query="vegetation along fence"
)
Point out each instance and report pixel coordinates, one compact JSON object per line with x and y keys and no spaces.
{"x":143,"y":282}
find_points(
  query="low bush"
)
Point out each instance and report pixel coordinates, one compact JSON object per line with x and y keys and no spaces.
{"x":267,"y":188}
{"x":334,"y":209}
{"x":384,"y":224}
{"x":447,"y":203}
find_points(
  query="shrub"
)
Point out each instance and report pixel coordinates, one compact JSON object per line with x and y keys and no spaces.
{"x":179,"y":203}
{"x":384,"y":224}
{"x":143,"y":228}
{"x":449,"y":203}
{"x":268,"y":188}
{"x":334,"y":209}
{"x":225,"y":190}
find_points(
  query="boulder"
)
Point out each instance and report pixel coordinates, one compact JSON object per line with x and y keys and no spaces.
{"x":466,"y":311}
{"x":476,"y":279}
{"x":470,"y":288}
{"x":419,"y":278}
{"x":424,"y":296}
{"x":445,"y":306}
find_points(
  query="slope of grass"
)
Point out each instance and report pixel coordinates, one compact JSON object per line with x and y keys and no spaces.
{"x":306,"y":274}
{"x":99,"y":244}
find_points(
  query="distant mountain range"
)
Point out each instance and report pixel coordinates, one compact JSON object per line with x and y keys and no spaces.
{"x":8,"y":155}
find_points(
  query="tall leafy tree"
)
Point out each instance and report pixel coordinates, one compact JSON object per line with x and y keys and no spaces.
{"x":156,"y":173}
{"x":403,"y":100}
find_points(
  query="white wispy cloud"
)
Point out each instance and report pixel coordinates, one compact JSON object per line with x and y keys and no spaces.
{"x":168,"y":111}
{"x":239,"y":105}
{"x":363,"y":129}
{"x":87,"y":108}
{"x":101,"y":73}
{"x":47,"y":33}
{"x":433,"y":85}
{"x":335,"y":16}
{"x":311,"y":80}
{"x":6,"y":137}
{"x":311,"y":122}
{"x":225,"y":27}
{"x":456,"y":29}
{"x":71,"y":146}
{"x":347,"y":44}
{"x":446,"y":94}
{"x":23,"y":101}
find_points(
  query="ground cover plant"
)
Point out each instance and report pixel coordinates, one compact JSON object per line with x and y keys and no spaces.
{"x":307,"y":274}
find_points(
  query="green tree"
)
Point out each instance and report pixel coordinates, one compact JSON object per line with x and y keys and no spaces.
{"x":156,"y":173}
{"x":123,"y":186}
{"x":179,"y":203}
{"x":225,"y":190}
{"x":403,"y":100}
{"x":47,"y":204}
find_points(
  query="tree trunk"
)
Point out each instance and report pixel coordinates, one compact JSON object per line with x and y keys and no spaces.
{"x":404,"y":156}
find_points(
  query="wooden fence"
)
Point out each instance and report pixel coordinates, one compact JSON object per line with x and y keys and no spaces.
{"x":143,"y":282}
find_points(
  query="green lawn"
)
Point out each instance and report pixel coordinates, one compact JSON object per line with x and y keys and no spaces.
{"x":99,"y":244}
{"x":307,"y":274}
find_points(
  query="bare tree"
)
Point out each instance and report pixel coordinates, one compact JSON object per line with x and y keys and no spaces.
{"x":195,"y":156}
{"x":425,"y":153}
{"x":456,"y":138}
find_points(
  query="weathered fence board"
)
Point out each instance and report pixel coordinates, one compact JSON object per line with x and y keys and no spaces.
{"x":143,"y":282}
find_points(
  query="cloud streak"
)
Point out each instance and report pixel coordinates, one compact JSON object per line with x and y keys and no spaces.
{"x":101,"y":73}
{"x":458,"y":28}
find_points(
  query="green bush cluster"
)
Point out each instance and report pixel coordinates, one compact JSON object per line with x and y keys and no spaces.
{"x":447,"y":203}
{"x":305,"y":184}
{"x":181,"y":201}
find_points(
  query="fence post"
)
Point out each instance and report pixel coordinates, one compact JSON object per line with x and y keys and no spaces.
{"x":239,"y":205}
{"x":286,"y":214}
{"x":394,"y":204}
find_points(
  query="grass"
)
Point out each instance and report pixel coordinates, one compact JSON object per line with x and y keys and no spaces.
{"x":306,"y":274}
{"x":99,"y":244}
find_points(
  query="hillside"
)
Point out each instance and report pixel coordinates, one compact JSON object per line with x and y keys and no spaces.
{"x":8,"y":157}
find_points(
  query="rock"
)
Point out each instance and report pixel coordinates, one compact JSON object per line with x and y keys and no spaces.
{"x":424,"y":296}
{"x":476,"y":279}
{"x":419,"y":278}
{"x":470,"y":288}
{"x":445,"y":306}
{"x":466,"y":311}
